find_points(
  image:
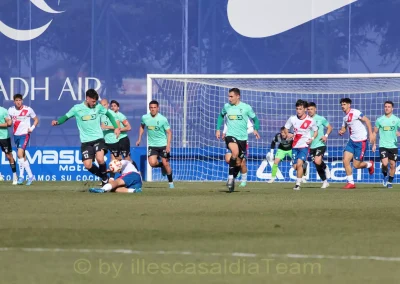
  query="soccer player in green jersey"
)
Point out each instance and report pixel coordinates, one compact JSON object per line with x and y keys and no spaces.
{"x":87,"y":115}
{"x":5,"y":141}
{"x":124,"y":142}
{"x":159,"y":136}
{"x":387,"y":126}
{"x":111,"y":140}
{"x":237,"y":114}
{"x":284,"y":150}
{"x":318,"y":145}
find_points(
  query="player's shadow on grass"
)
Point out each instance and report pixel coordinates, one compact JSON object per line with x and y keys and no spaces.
{"x":235,"y":191}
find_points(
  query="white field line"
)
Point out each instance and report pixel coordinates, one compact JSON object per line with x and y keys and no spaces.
{"x":234,"y":254}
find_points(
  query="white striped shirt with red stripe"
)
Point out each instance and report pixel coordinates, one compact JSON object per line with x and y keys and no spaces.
{"x":21,"y":119}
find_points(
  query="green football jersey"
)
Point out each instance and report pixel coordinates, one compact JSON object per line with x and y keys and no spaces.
{"x":321,"y":122}
{"x":156,"y":129}
{"x":109,"y":135}
{"x":387,"y":131}
{"x":4,"y":134}
{"x":237,"y":117}
{"x":121,"y":118}
{"x":88,"y":121}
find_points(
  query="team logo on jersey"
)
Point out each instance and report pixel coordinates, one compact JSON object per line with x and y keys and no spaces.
{"x":235,"y":117}
{"x":89,"y":117}
{"x":26,"y":35}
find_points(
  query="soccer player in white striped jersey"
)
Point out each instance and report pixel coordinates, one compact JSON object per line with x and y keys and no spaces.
{"x":357,"y":145}
{"x":130,"y":181}
{"x":21,"y":117}
{"x":228,"y":154}
{"x":302,"y":126}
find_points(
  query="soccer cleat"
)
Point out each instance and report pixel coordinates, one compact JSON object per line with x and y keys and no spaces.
{"x":296,"y":187}
{"x":20,"y":181}
{"x":325,"y":184}
{"x":385,"y":181}
{"x":231,"y":185}
{"x":327,"y":172}
{"x":349,"y":186}
{"x":30,"y":180}
{"x":271,"y":180}
{"x":171,"y":185}
{"x":389,"y":185}
{"x":163,"y":171}
{"x":243,"y":184}
{"x":96,"y":190}
{"x":372,"y":168}
{"x":137,"y":190}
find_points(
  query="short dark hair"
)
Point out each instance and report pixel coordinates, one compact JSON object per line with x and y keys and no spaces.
{"x":17,"y":96}
{"x":301,"y":103}
{"x":235,"y":90}
{"x":153,"y":103}
{"x":345,"y":100}
{"x":283,"y":128}
{"x":91,"y":93}
{"x":312,"y":104}
{"x":389,"y":102}
{"x":114,"y":102}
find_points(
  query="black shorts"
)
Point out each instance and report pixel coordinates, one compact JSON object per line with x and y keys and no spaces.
{"x":113,"y":148}
{"x":5,"y":145}
{"x":159,"y":152}
{"x":389,"y":153}
{"x":319,"y":151}
{"x":125,"y":147}
{"x":242,"y":144}
{"x":89,"y":149}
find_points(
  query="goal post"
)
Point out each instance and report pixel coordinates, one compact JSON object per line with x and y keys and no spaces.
{"x":192,"y":103}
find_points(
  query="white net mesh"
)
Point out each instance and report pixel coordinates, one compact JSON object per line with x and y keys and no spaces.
{"x":198,"y":156}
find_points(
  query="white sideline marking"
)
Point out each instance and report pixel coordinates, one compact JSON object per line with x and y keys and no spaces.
{"x":234,"y":254}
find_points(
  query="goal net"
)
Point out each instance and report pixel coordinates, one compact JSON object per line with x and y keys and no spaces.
{"x":192,"y":104}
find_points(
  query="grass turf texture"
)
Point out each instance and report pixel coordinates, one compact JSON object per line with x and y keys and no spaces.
{"x":204,"y":219}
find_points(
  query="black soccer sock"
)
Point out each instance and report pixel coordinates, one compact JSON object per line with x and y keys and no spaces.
{"x":321,"y":171}
{"x":170,"y":177}
{"x":103,"y":172}
{"x":391,"y":178}
{"x":95,"y":170}
{"x":13,"y":168}
{"x":236,"y":171}
{"x":323,"y":165}
{"x":384,"y":170}
{"x":305,"y":168}
{"x":232,"y":165}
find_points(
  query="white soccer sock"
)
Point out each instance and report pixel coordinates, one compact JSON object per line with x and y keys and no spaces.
{"x":107,"y":187}
{"x":131,"y":190}
{"x":298,"y":182}
{"x":244,"y":177}
{"x":28,"y":168}
{"x":350,"y":179}
{"x":21,"y":163}
{"x":230,"y":177}
{"x":369,"y":165}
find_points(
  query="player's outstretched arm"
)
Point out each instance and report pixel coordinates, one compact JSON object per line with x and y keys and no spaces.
{"x":141,"y":131}
{"x":60,"y":120}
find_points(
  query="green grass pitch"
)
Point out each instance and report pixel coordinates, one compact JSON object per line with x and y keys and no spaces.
{"x":195,"y":232}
